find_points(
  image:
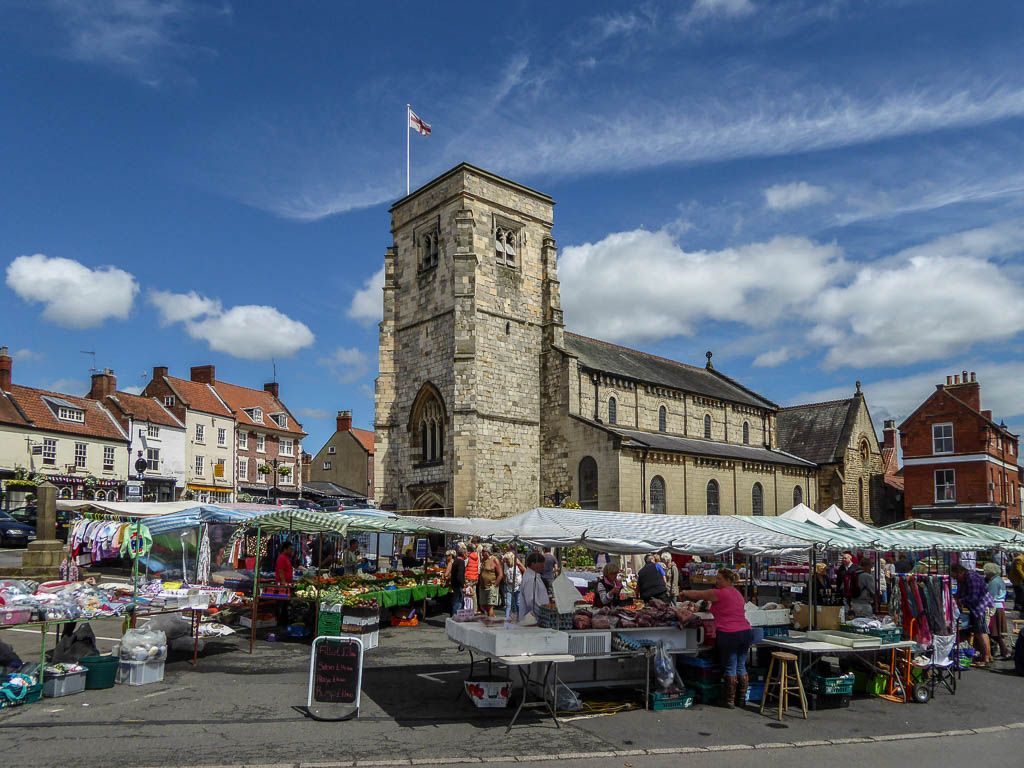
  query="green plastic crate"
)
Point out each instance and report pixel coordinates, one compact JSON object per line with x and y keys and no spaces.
{"x":886,"y":635}
{"x":674,"y":701}
{"x":707,"y":693}
{"x":328,"y":625}
{"x":831,"y":686}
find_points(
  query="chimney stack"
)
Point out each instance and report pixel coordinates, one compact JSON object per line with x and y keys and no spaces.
{"x":273,"y":388}
{"x":889,"y":433}
{"x":104,"y":384}
{"x":204,"y":374}
{"x":987,"y":415}
{"x":966,"y":388}
{"x":6,"y":366}
{"x":159,"y":371}
{"x":949,"y":381}
{"x":344,"y":421}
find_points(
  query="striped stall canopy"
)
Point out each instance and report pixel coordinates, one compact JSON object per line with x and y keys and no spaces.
{"x":629,"y":533}
{"x":1004,"y":538}
{"x":292,"y":520}
{"x":877,"y":539}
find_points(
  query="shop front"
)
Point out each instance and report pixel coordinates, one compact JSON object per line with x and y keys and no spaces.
{"x":211,"y":494}
{"x":87,"y":488}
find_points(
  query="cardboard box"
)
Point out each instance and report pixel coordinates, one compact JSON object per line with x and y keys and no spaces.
{"x":826,"y":616}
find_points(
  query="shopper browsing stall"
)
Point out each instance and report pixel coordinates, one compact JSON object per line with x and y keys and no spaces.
{"x":350,"y":557}
{"x":491,"y":576}
{"x":457,"y":579}
{"x":863,"y":601}
{"x":609,"y":588}
{"x":1016,"y":575}
{"x":671,"y":576}
{"x":997,"y":625}
{"x":974,"y":597}
{"x":650,"y":583}
{"x":534,"y":592}
{"x":733,"y":635}
{"x":284,"y":573}
{"x":513,"y":581}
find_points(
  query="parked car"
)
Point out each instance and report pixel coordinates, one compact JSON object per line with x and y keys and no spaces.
{"x":300,"y":504}
{"x":15,"y":534}
{"x":28,"y":515}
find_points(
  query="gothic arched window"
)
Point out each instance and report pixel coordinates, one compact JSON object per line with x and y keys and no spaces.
{"x":746,"y":433}
{"x":707,"y":426}
{"x":427,"y":424}
{"x":713,"y":508}
{"x":658,"y":495}
{"x":613,"y":410}
{"x":588,"y":483}
{"x":865,"y":451}
{"x":663,"y":419}
{"x":798,"y":495}
{"x":757,"y":499}
{"x":505,"y":246}
{"x":428,"y":250}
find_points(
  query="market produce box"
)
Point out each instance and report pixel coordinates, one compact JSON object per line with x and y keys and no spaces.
{"x":246,"y":621}
{"x":15,"y":616}
{"x":56,"y":685}
{"x":755,"y":692}
{"x":707,"y":693}
{"x":661,"y":701}
{"x":489,"y":692}
{"x":825,"y":701}
{"x":826,"y":616}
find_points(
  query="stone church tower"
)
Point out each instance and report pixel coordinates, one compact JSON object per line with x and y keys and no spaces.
{"x":471,"y":306}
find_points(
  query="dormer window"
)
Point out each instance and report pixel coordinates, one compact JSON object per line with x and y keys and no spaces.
{"x":71,"y":414}
{"x":281,"y":419}
{"x":256,"y":414}
{"x":65,"y":410}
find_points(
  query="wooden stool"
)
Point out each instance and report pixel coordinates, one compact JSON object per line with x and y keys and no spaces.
{"x":782,"y":678}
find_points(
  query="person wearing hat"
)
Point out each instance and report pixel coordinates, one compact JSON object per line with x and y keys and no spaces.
{"x":997,"y":625}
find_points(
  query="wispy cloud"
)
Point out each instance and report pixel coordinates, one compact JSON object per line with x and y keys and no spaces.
{"x":316,"y":414}
{"x":347,"y":364}
{"x":143,"y":38}
{"x":797,"y":194}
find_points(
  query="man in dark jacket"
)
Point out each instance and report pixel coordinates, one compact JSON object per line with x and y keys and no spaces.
{"x":649,"y":581}
{"x":458,"y":580}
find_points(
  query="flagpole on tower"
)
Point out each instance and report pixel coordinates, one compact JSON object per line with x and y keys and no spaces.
{"x":408,"y":112}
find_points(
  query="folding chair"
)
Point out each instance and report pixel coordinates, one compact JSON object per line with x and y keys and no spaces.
{"x":939,"y":669}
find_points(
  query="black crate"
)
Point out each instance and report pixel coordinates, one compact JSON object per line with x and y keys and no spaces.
{"x":826,"y":701}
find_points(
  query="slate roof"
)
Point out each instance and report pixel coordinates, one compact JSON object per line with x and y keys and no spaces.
{"x":198,"y":397}
{"x":641,"y":366}
{"x":815,"y":431}
{"x":143,"y":409}
{"x":662,"y":442}
{"x":240,"y":398}
{"x":32,"y":404}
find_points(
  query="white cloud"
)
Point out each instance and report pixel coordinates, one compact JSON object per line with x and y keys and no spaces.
{"x":314,"y":413}
{"x":73,"y":295}
{"x":27,"y":355}
{"x":140,"y":37}
{"x":368,"y":302}
{"x":68,"y":387}
{"x":706,"y":9}
{"x":248,"y":331}
{"x":641,"y":285}
{"x":772,"y":358}
{"x":925,"y":303}
{"x":180,"y":307}
{"x":252,"y":332}
{"x":348,"y":364}
{"x":798,"y":194}
{"x":897,"y":397}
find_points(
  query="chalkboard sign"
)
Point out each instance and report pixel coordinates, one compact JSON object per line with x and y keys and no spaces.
{"x":335,"y":678}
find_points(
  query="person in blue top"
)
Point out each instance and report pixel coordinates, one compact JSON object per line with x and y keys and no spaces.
{"x":997,"y":626}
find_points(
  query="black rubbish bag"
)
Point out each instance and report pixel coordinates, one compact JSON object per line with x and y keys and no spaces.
{"x":74,"y":643}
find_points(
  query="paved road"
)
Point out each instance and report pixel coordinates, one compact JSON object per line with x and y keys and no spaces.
{"x":241,"y":709}
{"x":10,"y":558}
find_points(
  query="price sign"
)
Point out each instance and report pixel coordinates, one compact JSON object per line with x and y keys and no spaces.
{"x":421,"y":549}
{"x":335,"y":678}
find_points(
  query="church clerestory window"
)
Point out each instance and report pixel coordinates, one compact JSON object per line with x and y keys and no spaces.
{"x":707,"y":426}
{"x":663,"y":419}
{"x":613,"y":410}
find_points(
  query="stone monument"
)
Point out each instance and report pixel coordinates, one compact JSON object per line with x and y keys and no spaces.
{"x":43,"y":556}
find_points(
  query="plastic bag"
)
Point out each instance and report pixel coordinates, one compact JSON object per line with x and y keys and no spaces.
{"x":566,"y":700}
{"x":72,"y":646}
{"x":173,"y":625}
{"x":143,"y":645}
{"x":664,"y":668}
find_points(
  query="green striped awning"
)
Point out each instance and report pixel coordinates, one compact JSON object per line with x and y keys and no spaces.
{"x":1002,"y":537}
{"x":880,"y":539}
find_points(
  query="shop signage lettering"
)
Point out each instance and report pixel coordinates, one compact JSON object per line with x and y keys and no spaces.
{"x":335,"y":678}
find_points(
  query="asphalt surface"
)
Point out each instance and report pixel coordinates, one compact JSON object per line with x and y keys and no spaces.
{"x":237,"y":709}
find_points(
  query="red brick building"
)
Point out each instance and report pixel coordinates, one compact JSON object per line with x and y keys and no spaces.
{"x":958,"y":463}
{"x":268,"y":437}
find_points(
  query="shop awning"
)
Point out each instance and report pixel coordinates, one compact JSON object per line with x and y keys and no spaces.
{"x":875,"y":539}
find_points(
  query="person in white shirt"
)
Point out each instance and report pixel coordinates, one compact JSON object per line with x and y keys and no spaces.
{"x":533,"y":592}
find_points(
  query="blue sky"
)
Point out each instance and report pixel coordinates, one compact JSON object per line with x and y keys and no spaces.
{"x":819,"y":192}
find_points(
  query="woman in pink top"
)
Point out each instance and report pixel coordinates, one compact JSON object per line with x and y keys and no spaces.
{"x":733,"y":636}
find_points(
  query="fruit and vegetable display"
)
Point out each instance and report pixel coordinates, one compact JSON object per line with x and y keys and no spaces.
{"x":337,"y":589}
